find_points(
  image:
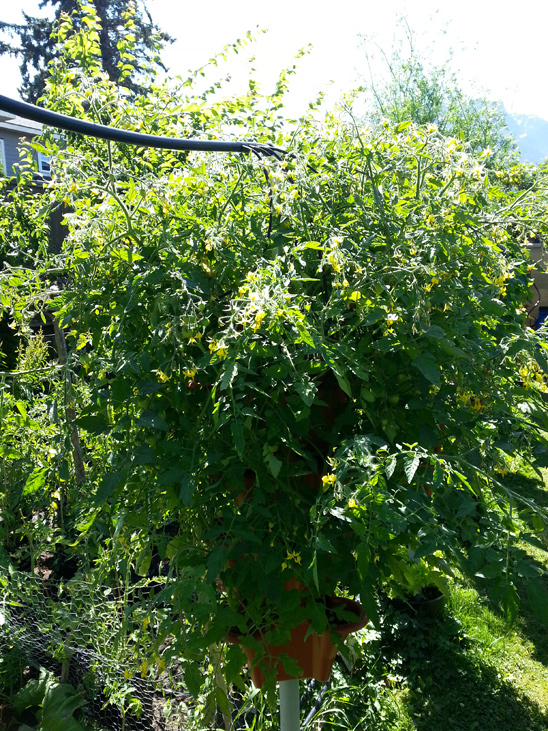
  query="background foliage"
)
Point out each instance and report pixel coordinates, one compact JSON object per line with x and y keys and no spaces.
{"x":415,"y":89}
{"x":36,"y":43}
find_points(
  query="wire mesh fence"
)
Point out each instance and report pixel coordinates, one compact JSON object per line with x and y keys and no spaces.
{"x":95,"y":639}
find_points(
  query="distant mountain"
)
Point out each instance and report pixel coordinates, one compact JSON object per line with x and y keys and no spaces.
{"x":531,"y":134}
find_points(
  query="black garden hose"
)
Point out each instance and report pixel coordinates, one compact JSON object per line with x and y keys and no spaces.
{"x":101,"y":131}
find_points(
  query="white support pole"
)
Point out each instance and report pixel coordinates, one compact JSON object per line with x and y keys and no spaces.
{"x":289,"y":705}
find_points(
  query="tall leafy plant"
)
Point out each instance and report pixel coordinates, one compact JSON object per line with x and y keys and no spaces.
{"x":308,"y":373}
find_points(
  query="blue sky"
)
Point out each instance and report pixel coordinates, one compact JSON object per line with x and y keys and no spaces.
{"x":496,"y":50}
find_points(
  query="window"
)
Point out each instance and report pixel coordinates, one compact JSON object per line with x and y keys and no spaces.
{"x":542,"y":317}
{"x":3,"y":170}
{"x":44,"y":165}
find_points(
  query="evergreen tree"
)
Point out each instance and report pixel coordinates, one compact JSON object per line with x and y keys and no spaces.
{"x":34,"y":44}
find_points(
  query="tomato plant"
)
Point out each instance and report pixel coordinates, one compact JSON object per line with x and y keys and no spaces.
{"x":312,"y":369}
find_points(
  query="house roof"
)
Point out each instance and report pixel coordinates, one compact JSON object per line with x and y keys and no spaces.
{"x":13,"y":123}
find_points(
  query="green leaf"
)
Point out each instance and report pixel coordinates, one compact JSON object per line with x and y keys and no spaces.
{"x":31,"y":695}
{"x":369,"y":603}
{"x":21,"y":408}
{"x":229,"y":375}
{"x":147,"y":387}
{"x":390,"y":465}
{"x":491,"y":570}
{"x":144,"y":455}
{"x":344,"y":385}
{"x":538,"y":596}
{"x":306,"y":391}
{"x":171,"y":476}
{"x":237,"y":429}
{"x":193,"y":679}
{"x":107,"y":486}
{"x":439,"y":475}
{"x":410,"y":465}
{"x":8,"y":452}
{"x":541,"y":360}
{"x":274,"y":464}
{"x":435,"y":331}
{"x":94,"y":423}
{"x":152,"y":420}
{"x":216,"y":562}
{"x":510,"y":602}
{"x":35,"y":481}
{"x":187,"y":490}
{"x":305,"y":336}
{"x":374,"y":315}
{"x":314,"y":567}
{"x":143,"y":561}
{"x":449,"y":347}
{"x":494,"y":307}
{"x":429,"y":367}
{"x":59,"y":705}
{"x":527,"y":569}
{"x":363,"y":554}
{"x":467,"y":507}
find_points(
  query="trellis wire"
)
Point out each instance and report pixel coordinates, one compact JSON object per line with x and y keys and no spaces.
{"x":81,"y":638}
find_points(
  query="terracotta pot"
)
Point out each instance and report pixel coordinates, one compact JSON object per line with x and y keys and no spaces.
{"x":315,"y":655}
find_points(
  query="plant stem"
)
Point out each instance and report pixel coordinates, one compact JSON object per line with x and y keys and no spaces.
{"x":61,"y":346}
{"x":221,"y":684}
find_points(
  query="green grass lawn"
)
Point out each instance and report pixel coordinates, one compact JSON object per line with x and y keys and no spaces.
{"x":463,"y":670}
{"x":466,"y":669}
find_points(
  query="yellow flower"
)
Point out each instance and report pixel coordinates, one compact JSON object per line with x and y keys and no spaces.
{"x":476,"y":403}
{"x":463,"y":397}
{"x":218,"y":348}
{"x":329,"y":479}
{"x":259,"y":317}
{"x":293,"y":556}
{"x":127,"y":674}
{"x":352,"y":503}
{"x":499,"y":281}
{"x":334,"y":263}
{"x":190,"y":372}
